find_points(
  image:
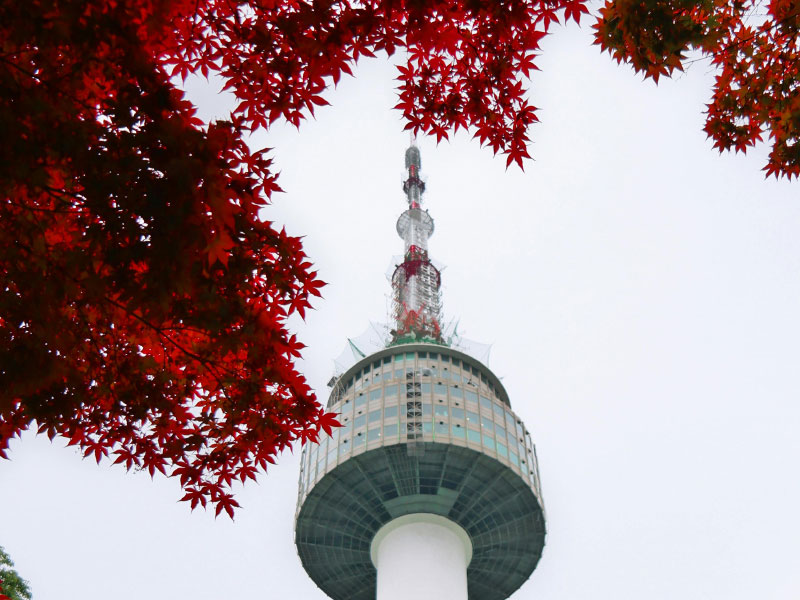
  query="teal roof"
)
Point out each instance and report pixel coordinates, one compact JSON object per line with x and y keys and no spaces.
{"x":493,"y":504}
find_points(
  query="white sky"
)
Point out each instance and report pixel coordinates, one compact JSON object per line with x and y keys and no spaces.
{"x":642,"y":295}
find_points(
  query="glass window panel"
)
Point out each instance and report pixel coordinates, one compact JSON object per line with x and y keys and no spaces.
{"x":456,"y":378}
{"x":398,"y":357}
{"x":426,"y":388}
{"x":499,"y":413}
{"x":456,"y":392}
{"x":474,"y":436}
{"x":499,"y":432}
{"x":485,"y":402}
{"x":514,"y":459}
{"x":359,"y":421}
{"x":502,"y":450}
{"x":387,"y":375}
{"x":510,"y":421}
{"x":344,"y":448}
{"x":512,"y":442}
{"x":440,"y":388}
{"x":398,"y":373}
{"x":427,"y":427}
{"x":441,"y":427}
{"x":488,"y":442}
{"x":390,"y":411}
{"x":472,"y":417}
{"x":332,"y":458}
{"x":375,"y":394}
{"x":374,"y":434}
{"x":458,"y":431}
{"x":410,"y":356}
{"x":360,"y":401}
{"x":375,"y":415}
{"x":390,"y":430}
{"x":471,"y":395}
{"x":426,"y":409}
{"x":358,"y":439}
{"x":441,"y":410}
{"x":391,"y":390}
{"x":458,"y":413}
{"x":487,"y":424}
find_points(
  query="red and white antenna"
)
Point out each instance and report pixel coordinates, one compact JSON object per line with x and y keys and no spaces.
{"x":416,"y":297}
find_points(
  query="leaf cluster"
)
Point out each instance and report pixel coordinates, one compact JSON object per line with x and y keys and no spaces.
{"x":12,"y":586}
{"x":143,"y":302}
{"x":754,"y":47}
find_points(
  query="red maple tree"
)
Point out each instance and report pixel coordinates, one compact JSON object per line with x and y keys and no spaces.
{"x":754,"y":47}
{"x":144,"y":301}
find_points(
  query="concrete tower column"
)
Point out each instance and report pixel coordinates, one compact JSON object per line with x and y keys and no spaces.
{"x":421,"y":556}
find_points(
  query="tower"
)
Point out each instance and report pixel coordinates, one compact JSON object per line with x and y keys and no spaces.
{"x":430,"y":489}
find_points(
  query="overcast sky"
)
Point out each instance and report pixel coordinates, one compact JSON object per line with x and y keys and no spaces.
{"x":641,"y":293}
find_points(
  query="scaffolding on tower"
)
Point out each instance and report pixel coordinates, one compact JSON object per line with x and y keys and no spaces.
{"x":416,"y":282}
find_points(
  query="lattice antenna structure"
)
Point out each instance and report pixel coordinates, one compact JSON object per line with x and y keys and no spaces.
{"x":416,"y":283}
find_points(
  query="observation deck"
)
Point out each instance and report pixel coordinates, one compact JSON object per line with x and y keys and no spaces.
{"x":426,"y":429}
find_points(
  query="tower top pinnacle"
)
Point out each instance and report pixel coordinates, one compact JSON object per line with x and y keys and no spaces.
{"x":413,"y":186}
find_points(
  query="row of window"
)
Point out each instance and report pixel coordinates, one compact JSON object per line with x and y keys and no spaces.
{"x":318,"y":460}
{"x":403,"y":374}
{"x":396,"y":390}
{"x":428,"y":410}
{"x":403,"y":394}
{"x":490,"y":432}
{"x":397,"y":366}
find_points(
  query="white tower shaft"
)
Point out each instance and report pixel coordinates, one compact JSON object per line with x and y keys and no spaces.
{"x":421,"y":556}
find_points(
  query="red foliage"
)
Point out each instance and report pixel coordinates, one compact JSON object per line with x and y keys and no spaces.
{"x":756,"y":52}
{"x":144,"y":302}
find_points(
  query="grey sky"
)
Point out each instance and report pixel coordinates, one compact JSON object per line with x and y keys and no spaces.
{"x":642,"y":295}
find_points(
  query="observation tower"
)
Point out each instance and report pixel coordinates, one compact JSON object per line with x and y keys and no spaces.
{"x":430,"y":489}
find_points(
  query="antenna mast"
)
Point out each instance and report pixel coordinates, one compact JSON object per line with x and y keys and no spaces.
{"x":416,"y":283}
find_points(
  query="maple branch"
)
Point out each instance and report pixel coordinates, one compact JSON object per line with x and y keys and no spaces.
{"x":205,"y":362}
{"x":741,"y":42}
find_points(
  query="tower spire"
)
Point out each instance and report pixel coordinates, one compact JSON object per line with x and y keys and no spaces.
{"x":416,"y":282}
